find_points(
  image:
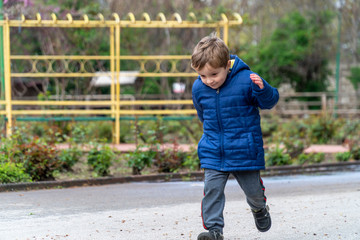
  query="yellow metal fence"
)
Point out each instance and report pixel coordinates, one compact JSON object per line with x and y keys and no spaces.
{"x":114,"y":25}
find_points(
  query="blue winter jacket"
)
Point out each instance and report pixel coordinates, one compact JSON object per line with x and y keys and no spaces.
{"x":232,"y":138}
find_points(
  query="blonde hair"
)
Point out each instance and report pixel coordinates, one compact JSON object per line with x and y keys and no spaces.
{"x":211,"y":50}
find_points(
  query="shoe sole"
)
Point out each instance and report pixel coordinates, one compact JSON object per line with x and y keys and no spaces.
{"x":204,"y":238}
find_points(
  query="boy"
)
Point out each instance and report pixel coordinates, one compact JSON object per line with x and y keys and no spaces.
{"x":227,"y":95}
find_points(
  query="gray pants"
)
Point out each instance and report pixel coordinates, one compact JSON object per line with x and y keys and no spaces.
{"x":213,"y":203}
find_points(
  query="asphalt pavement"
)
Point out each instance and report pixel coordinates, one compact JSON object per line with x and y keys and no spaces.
{"x":322,"y":206}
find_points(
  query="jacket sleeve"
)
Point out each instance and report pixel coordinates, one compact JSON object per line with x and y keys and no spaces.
{"x":267,"y":97}
{"x":198,"y":109}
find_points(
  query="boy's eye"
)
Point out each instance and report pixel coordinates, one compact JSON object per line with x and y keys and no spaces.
{"x":214,"y":74}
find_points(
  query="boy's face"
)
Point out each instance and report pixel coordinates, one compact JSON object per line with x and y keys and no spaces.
{"x":213,"y":77}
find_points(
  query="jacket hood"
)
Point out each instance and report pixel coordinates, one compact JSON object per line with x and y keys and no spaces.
{"x":239,"y":65}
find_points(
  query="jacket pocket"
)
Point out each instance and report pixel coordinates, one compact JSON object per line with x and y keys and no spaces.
{"x":252,"y":146}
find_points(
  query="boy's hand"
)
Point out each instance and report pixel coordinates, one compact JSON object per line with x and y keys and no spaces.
{"x":257,"y":80}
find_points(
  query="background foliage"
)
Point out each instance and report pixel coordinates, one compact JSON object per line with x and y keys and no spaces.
{"x":284,"y":41}
{"x":296,"y":52}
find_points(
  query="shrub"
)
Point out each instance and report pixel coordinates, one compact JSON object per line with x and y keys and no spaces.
{"x":126,"y":132}
{"x":354,"y":144}
{"x":303,"y":158}
{"x":80,"y":133}
{"x":12,"y":173}
{"x":100,"y":159}
{"x":186,"y":131}
{"x":69,"y":157}
{"x":9,"y":150}
{"x":348,"y":131}
{"x":321,"y":129}
{"x":293,"y":129}
{"x":101,"y":130}
{"x":37,"y":130}
{"x":169,"y":160}
{"x":51,"y":132}
{"x":139,"y":159}
{"x":355,"y":77}
{"x":269,"y":125}
{"x":40,"y":159}
{"x":192,"y":160}
{"x":355,"y":152}
{"x":293,"y":146}
{"x":317,"y":157}
{"x":343,"y":157}
{"x":311,"y":158}
{"x":277,"y":157}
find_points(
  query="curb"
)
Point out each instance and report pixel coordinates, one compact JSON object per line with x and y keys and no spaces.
{"x":311,"y":169}
{"x":190,"y":176}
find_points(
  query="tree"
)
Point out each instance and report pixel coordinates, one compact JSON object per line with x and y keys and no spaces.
{"x":355,"y":80}
{"x":296,"y":52}
{"x":261,"y":19}
{"x":351,"y":30}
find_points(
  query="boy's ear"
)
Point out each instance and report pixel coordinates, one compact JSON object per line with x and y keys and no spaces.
{"x":228,"y":64}
{"x":195,"y":69}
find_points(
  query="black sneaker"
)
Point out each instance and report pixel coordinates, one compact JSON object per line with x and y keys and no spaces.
{"x":262,"y":219}
{"x":211,"y":235}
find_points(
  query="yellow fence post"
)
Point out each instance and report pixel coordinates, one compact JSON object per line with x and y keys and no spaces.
{"x":226,"y":28}
{"x":7,"y":72}
{"x":113,"y":78}
{"x":112,"y":70}
{"x":117,"y":78}
{"x":117,"y":84}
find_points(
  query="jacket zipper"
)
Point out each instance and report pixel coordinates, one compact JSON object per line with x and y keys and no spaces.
{"x":221,"y":129}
